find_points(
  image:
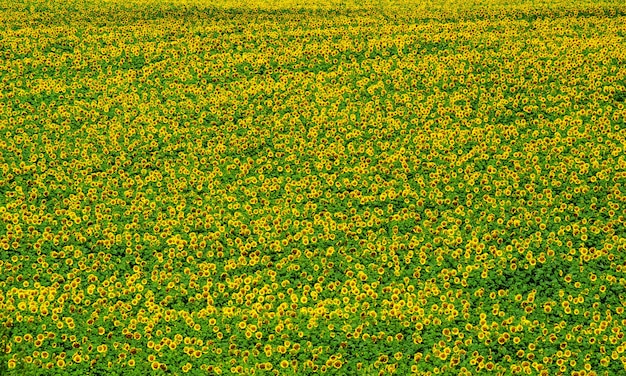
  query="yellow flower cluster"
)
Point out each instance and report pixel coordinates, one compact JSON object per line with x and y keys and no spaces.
{"x":293,"y":187}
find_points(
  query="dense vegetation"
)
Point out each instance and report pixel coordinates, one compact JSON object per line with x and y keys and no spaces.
{"x":296,"y":188}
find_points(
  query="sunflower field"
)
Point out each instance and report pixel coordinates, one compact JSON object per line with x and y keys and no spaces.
{"x":304,"y":187}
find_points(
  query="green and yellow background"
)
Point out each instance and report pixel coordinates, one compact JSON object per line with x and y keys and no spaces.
{"x":341,"y":187}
